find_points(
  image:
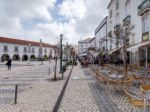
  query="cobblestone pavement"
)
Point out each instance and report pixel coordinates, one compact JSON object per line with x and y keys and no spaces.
{"x":38,"y":94}
{"x":109,"y":101}
{"x":22,"y":76}
{"x":41,"y":96}
{"x":78,"y":96}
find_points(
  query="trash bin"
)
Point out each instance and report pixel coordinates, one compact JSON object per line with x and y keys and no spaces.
{"x":64,"y":68}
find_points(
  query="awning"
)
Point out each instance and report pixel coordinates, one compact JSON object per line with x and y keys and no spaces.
{"x":110,"y":52}
{"x":84,"y":54}
{"x":104,"y":53}
{"x":135,"y":47}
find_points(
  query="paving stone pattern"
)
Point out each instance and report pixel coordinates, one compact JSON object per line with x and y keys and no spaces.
{"x":78,"y":96}
{"x":110,"y":101}
{"x":40,"y":96}
{"x":24,"y":76}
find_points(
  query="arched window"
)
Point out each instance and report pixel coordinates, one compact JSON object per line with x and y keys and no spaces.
{"x":117,"y":18}
{"x":127,"y":8}
{"x":117,"y":4}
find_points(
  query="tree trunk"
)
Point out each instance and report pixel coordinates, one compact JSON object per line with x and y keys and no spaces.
{"x":125,"y":60}
{"x":55,"y":69}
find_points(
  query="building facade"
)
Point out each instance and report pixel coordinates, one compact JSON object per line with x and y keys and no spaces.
{"x":22,"y":50}
{"x":101,"y":36}
{"x":84,"y":45}
{"x":129,"y":13}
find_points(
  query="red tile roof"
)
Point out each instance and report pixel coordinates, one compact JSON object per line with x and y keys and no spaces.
{"x":23,"y":42}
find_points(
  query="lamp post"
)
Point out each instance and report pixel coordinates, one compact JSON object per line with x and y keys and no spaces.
{"x":67,"y":50}
{"x":40,"y":51}
{"x":61,"y":37}
{"x":29,"y":53}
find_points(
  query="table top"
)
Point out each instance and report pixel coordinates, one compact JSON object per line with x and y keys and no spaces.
{"x":147,"y":94}
{"x":116,"y":76}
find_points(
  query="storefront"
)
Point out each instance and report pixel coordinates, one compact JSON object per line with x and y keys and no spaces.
{"x":140,"y":54}
{"x":114,"y":54}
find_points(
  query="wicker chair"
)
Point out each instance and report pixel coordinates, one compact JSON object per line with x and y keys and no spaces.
{"x":144,"y":88}
{"x":127,"y":83}
{"x":135,"y":99}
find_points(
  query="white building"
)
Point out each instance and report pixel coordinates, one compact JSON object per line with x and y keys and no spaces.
{"x":126,"y":13}
{"x":85,"y":44}
{"x":24,"y":50}
{"x":101,"y":36}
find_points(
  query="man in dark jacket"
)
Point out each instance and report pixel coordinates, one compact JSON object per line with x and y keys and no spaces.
{"x":9,"y":64}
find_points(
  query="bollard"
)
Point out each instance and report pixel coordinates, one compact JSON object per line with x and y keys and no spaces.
{"x":54,"y":69}
{"x":49,"y":71}
{"x":16,"y":93}
{"x":62,"y":74}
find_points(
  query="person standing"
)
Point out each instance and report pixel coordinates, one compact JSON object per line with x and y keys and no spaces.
{"x":9,"y":64}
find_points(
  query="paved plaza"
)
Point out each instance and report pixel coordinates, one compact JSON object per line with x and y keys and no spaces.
{"x":37,"y":93}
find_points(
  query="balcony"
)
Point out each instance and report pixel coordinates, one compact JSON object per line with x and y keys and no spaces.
{"x":145,"y":36}
{"x":110,"y":34}
{"x":144,"y":7}
{"x":117,"y":27}
{"x":126,"y":20}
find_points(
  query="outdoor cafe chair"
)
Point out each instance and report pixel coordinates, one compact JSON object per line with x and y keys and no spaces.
{"x":135,"y":98}
{"x":112,"y":84}
{"x":144,"y":88}
{"x":138,"y":80}
{"x":127,"y":82}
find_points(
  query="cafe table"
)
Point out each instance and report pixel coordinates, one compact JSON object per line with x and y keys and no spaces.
{"x":146,"y":100}
{"x":116,"y":76}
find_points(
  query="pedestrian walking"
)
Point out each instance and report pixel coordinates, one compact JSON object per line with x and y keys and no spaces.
{"x":9,"y":64}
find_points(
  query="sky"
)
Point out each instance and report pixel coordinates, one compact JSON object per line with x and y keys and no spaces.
{"x":47,"y":19}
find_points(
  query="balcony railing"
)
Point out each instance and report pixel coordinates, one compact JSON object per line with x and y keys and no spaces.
{"x":145,"y":36}
{"x":126,"y":20}
{"x":110,"y":34}
{"x":144,"y":7}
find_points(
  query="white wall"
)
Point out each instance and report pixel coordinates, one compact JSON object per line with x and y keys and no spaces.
{"x":136,"y":34}
{"x":21,"y":50}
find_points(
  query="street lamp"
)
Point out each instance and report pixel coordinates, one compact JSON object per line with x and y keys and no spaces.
{"x":61,"y":37}
{"x":67,"y":50}
{"x":40,"y":51}
{"x":29,"y":53}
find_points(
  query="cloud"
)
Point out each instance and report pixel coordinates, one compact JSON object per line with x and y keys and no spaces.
{"x":13,"y":11}
{"x":81,"y":17}
{"x":27,"y":8}
{"x":73,"y":9}
{"x":87,"y":14}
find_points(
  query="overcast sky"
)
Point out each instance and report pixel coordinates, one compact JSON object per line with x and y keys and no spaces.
{"x":46,"y":19}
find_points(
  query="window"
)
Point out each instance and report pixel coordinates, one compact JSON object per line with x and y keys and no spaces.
{"x":16,"y":49}
{"x":117,"y":4}
{"x":33,"y":51}
{"x":145,"y":24}
{"x":110,"y":47}
{"x":25,"y":49}
{"x":110,"y":13}
{"x":45,"y":51}
{"x":81,"y":45}
{"x":5,"y":48}
{"x":50,"y":51}
{"x":117,"y":18}
{"x":127,"y":8}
